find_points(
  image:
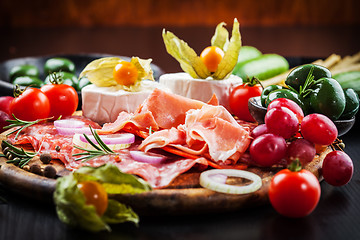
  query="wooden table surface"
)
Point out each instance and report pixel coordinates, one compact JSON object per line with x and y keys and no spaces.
{"x":338,"y":213}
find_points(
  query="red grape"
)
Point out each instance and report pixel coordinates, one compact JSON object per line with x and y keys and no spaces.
{"x":268,"y":149}
{"x":259,"y":130}
{"x":288,"y":103}
{"x":3,"y":117}
{"x":319,"y":129}
{"x":5,"y":104}
{"x":337,"y":168}
{"x":300,"y":149}
{"x":282,"y":121}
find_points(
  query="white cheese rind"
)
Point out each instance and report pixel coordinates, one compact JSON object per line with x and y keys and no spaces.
{"x":200,"y":89}
{"x":103,"y":104}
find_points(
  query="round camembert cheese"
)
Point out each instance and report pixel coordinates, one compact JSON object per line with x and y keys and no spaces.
{"x":200,"y":89}
{"x":103,"y":104}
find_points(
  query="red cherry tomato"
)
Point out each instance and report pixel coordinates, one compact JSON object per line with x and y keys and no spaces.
{"x":288,"y":103}
{"x":63,"y":99}
{"x":95,"y":195}
{"x":294,"y":194}
{"x":239,"y":98}
{"x":5,"y":104}
{"x":319,"y":129}
{"x":31,"y":105}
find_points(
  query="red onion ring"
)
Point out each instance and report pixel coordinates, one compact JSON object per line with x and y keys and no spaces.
{"x":68,"y":123}
{"x":121,"y":138}
{"x":146,"y":157}
{"x":72,"y":131}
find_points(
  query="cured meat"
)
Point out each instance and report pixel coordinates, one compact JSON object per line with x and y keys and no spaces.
{"x":210,"y":129}
{"x":44,"y":138}
{"x":161,"y":110}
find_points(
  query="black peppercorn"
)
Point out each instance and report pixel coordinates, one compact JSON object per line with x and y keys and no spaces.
{"x":45,"y":158}
{"x":50,"y":171}
{"x":57,"y":148}
{"x":35,"y":168}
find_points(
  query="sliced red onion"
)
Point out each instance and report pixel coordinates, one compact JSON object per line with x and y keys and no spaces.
{"x":68,"y":123}
{"x":72,"y":131}
{"x":111,"y":139}
{"x":147,"y":157}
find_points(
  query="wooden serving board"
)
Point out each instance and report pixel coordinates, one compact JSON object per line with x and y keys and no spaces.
{"x":183,"y":196}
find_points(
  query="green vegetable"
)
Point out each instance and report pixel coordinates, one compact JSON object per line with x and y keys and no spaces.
{"x":59,"y":64}
{"x":247,"y":53}
{"x":263,"y":67}
{"x":28,"y":81}
{"x":328,"y":98}
{"x":84,"y":81}
{"x":297,"y":77}
{"x":266,"y":91}
{"x":352,"y":104}
{"x":23,"y":70}
{"x":68,"y":79}
{"x":287,"y":93}
{"x":349,"y":80}
{"x":70,"y":201}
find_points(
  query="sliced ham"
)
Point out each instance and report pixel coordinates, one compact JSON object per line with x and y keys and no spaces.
{"x":212,"y":127}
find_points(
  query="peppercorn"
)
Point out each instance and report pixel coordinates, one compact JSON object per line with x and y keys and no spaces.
{"x":57,"y":148}
{"x":45,"y":158}
{"x":49,"y":171}
{"x":35,"y":168}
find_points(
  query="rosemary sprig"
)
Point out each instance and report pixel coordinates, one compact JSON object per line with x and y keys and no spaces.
{"x":101,"y":148}
{"x":22,"y":124}
{"x":15,"y":155}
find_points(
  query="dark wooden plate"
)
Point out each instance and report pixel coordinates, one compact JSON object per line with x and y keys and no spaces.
{"x":183,"y":196}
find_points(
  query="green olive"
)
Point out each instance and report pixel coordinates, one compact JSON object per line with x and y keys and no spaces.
{"x":328,"y":98}
{"x":59,"y":64}
{"x":352,"y":104}
{"x":28,"y":81}
{"x":297,"y":77}
{"x":68,"y":78}
{"x":84,"y":81}
{"x":23,"y":70}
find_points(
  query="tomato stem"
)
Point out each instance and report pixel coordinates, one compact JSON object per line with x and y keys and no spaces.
{"x":56,"y":78}
{"x":254,"y":81}
{"x":295,"y":166}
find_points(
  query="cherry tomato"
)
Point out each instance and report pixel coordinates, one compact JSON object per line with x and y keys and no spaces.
{"x":319,"y":129}
{"x":337,"y":168}
{"x":282,"y":121}
{"x":95,"y":195}
{"x":239,"y":98}
{"x":63,"y":99}
{"x":31,"y":105}
{"x":294,"y":194}
{"x":268,"y":149}
{"x":5,"y":104}
{"x":125,"y":73}
{"x":288,"y":103}
{"x":211,"y":57}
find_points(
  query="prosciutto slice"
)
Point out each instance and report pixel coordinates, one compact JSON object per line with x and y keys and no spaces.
{"x":210,"y":130}
{"x":161,"y":110}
